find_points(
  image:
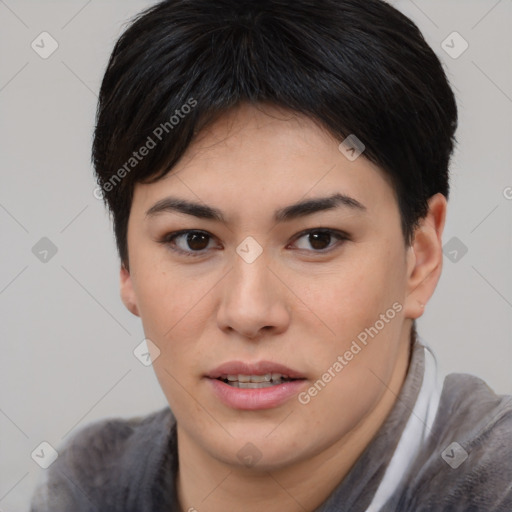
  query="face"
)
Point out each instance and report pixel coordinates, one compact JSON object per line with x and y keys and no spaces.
{"x":319,"y":294}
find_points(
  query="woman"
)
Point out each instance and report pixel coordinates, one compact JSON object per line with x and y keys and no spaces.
{"x":278,"y":178}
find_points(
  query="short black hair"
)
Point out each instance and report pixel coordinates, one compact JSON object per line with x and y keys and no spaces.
{"x":356,"y":67}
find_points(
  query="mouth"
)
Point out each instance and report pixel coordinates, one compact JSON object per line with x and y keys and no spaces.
{"x":256,"y":381}
{"x":253,"y":386}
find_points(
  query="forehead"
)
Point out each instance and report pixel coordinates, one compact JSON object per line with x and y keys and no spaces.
{"x":255,"y":158}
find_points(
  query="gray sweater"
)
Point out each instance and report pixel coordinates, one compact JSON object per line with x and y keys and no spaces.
{"x":454,"y":453}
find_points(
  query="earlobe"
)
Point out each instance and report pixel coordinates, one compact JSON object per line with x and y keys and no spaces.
{"x":425,"y":258}
{"x":127,"y":292}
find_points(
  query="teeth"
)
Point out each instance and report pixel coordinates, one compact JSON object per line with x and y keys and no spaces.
{"x":255,"y":381}
{"x":256,"y":378}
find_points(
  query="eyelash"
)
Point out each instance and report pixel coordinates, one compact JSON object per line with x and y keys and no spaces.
{"x":169,"y":238}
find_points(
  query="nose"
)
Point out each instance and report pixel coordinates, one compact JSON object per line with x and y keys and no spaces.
{"x":253,"y":300}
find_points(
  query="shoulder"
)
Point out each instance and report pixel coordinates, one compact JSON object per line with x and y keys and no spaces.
{"x":92,"y":464}
{"x":466,"y":464}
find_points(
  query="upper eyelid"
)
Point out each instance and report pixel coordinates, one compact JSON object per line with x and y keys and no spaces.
{"x":337,"y":232}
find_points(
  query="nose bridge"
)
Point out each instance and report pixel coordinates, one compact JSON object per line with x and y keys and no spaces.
{"x":250,"y":272}
{"x":251,"y":298}
{"x":250,"y":281}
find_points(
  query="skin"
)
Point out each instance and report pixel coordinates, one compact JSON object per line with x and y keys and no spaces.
{"x":298,"y":304}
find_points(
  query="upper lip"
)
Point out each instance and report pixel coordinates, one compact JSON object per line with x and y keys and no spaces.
{"x":258,"y":368}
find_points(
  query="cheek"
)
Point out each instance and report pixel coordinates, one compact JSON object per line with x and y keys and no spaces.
{"x":174,"y":307}
{"x":350,"y":302}
{"x":156,"y":300}
{"x":355,"y":294}
{"x":171,"y":312}
{"x":165,"y":294}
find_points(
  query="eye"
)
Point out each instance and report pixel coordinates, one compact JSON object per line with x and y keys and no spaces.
{"x":187,"y":242}
{"x":195,"y":243}
{"x":320,"y":239}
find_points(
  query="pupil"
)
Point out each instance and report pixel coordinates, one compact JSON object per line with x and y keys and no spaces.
{"x":193,"y":238}
{"x":317,"y":237}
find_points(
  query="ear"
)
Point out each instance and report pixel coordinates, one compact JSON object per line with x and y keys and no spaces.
{"x":127,"y":293}
{"x":425,"y":258}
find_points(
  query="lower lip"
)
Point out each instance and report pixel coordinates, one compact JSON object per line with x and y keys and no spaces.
{"x":254,"y":399}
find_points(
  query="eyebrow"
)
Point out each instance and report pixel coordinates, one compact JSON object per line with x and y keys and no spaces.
{"x":288,"y":213}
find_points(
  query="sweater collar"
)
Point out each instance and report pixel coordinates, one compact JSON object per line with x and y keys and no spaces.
{"x":359,"y":486}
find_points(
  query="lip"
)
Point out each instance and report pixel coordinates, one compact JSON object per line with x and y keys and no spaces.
{"x":254,"y":399}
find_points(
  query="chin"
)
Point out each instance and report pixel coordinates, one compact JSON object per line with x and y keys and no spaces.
{"x":257,"y":452}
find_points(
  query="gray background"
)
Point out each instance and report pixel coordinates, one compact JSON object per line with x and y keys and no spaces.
{"x":67,"y":340}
